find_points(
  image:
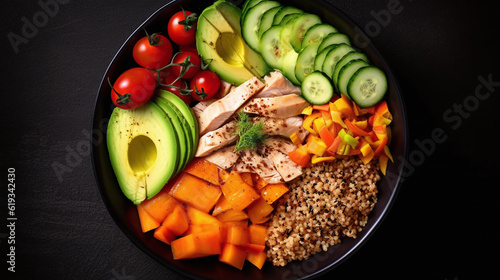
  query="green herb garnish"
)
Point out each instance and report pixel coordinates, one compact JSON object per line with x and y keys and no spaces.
{"x":251,"y":134}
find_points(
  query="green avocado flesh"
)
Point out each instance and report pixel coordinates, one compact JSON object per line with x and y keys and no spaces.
{"x":218,"y":40}
{"x":143,"y":150}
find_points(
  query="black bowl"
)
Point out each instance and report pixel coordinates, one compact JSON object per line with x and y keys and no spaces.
{"x":125,"y":214}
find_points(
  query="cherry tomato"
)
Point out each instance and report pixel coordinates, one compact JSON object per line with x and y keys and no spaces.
{"x":205,"y":85}
{"x":168,"y":78}
{"x":193,"y":64}
{"x":182,"y":28}
{"x":189,"y":48}
{"x":152,"y":51}
{"x":133,"y":88}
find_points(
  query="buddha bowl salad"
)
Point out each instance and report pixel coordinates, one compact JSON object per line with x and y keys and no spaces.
{"x":260,"y":140}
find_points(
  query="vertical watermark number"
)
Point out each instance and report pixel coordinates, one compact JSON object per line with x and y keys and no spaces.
{"x":11,"y":219}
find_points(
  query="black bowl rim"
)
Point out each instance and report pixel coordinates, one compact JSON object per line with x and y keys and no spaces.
{"x":359,"y":242}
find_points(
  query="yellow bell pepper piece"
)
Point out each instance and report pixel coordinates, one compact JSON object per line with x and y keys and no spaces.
{"x":308,"y":122}
{"x":318,"y":124}
{"x":295,"y":139}
{"x":316,"y":148}
{"x":317,"y":159}
{"x":307,"y":110}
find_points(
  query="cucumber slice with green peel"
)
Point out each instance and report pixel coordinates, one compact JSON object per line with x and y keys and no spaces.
{"x":267,"y":20}
{"x":334,"y":39}
{"x":284,"y":11}
{"x":320,"y":57}
{"x":346,"y":73}
{"x":334,"y":56}
{"x":317,"y":88}
{"x":251,"y":22}
{"x":316,"y":33}
{"x":305,"y":61}
{"x":288,"y":18}
{"x":367,"y":86}
{"x":248,"y":4}
{"x":288,"y":67}
{"x":346,"y":59}
{"x":272,"y":48}
{"x":300,"y":27}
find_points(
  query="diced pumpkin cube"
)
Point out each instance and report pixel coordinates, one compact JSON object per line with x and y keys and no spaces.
{"x":160,"y":205}
{"x":254,"y":248}
{"x":257,"y":234}
{"x":177,"y":222}
{"x":273,"y":192}
{"x":164,"y":234}
{"x":233,"y":255}
{"x":232,"y":216}
{"x":197,"y":217}
{"x":259,"y":210}
{"x":196,"y":192}
{"x":247,"y":178}
{"x":221,"y":206}
{"x":259,"y":182}
{"x":237,"y":235}
{"x":204,"y":170}
{"x":147,"y":222}
{"x":237,"y":192}
{"x":196,"y":245}
{"x":257,"y":258}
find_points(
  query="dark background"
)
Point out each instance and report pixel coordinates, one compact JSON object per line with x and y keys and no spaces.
{"x":443,"y":224}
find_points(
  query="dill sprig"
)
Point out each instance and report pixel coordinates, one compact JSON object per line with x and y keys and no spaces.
{"x":250,"y":135}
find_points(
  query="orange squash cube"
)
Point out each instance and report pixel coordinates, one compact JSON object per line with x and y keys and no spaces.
{"x":177,"y":222}
{"x":233,"y":255}
{"x":273,"y":192}
{"x":196,"y":245}
{"x":259,"y":210}
{"x":204,"y":170}
{"x":257,"y":258}
{"x":147,"y":222}
{"x":196,"y":192}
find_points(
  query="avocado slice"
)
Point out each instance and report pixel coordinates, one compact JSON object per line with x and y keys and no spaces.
{"x":188,"y":119}
{"x":143,"y":150}
{"x":218,"y":40}
{"x":180,"y":133}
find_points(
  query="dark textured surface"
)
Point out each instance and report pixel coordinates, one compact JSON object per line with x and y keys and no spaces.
{"x":442,"y":225}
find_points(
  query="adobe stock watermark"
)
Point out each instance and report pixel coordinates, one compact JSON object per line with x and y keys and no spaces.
{"x":121,"y":276}
{"x":30,"y":26}
{"x":453,"y":116}
{"x":75,"y":154}
{"x":380,"y":20}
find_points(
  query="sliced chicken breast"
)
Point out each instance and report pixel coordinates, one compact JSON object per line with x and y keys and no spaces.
{"x":217,"y":139}
{"x":251,"y":160}
{"x":221,"y":110}
{"x":224,"y":158}
{"x":276,"y":107}
{"x":284,"y":127}
{"x":276,"y":150}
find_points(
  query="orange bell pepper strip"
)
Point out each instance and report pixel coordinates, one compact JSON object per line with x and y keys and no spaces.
{"x":356,"y":130}
{"x":324,"y":107}
{"x":233,"y":255}
{"x":381,"y":146}
{"x":326,"y":135}
{"x":335,"y":145}
{"x":336,"y":115}
{"x":308,"y":122}
{"x":383,"y":110}
{"x":300,"y":156}
{"x":382,"y":162}
{"x":380,"y":131}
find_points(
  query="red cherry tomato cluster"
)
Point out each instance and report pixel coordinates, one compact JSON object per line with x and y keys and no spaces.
{"x":181,"y":73}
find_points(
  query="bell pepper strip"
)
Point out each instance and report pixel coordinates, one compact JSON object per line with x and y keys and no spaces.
{"x":326,"y":136}
{"x":295,"y":139}
{"x":336,"y":115}
{"x":317,"y":159}
{"x":300,"y":156}
{"x":318,"y":124}
{"x":380,"y":148}
{"x":308,"y":122}
{"x":356,"y":130}
{"x":327,"y":117}
{"x":307,"y":110}
{"x":380,"y":131}
{"x":387,"y":152}
{"x":367,"y":156}
{"x":382,"y":163}
{"x":324,"y":107}
{"x":380,"y":120}
{"x":383,"y":110}
{"x":316,"y":147}
{"x":362,"y":124}
{"x":332,"y":150}
{"x":344,"y":106}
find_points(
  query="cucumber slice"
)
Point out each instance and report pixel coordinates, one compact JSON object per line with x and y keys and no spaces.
{"x":267,"y":20}
{"x":251,"y":22}
{"x":305,"y":61}
{"x":346,"y":59}
{"x":289,"y":63}
{"x":248,"y":4}
{"x":334,"y":56}
{"x":317,"y":88}
{"x":299,"y":28}
{"x":333,"y":39}
{"x":346,"y":73}
{"x":367,"y":86}
{"x":288,"y":18}
{"x":320,"y":57}
{"x":271,"y":47}
{"x":286,"y":10}
{"x":316,"y":33}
